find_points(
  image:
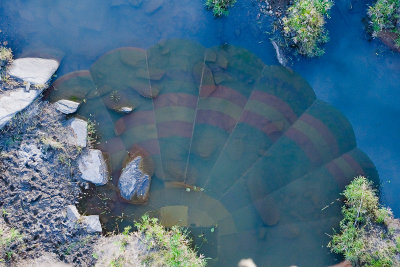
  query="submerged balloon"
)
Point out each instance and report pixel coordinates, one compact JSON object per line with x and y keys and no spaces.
{"x":243,"y":153}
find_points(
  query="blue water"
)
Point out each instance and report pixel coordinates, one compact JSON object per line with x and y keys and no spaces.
{"x":358,"y":76}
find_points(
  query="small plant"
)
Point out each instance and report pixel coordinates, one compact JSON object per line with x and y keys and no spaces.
{"x":384,"y":16}
{"x":304,"y":26}
{"x":364,"y":239}
{"x":9,"y":238}
{"x":220,"y":7}
{"x":92,"y":133}
{"x":170,"y":247}
{"x":6,"y":56}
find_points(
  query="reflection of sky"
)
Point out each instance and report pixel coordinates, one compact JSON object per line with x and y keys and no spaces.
{"x":351,"y":76}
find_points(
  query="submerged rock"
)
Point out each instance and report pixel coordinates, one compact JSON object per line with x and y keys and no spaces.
{"x":33,"y":70}
{"x":67,"y":106}
{"x":134,"y":183}
{"x":153,"y":6}
{"x":246,"y":263}
{"x":281,"y":58}
{"x":93,"y":167}
{"x":78,"y":132}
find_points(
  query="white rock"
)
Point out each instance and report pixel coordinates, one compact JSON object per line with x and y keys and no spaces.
{"x":67,"y":106}
{"x":246,"y":263}
{"x":33,"y":70}
{"x":92,"y":223}
{"x":125,"y":110}
{"x":72,"y":213}
{"x":15,"y":101}
{"x":281,"y":58}
{"x":78,"y":132}
{"x":93,"y":167}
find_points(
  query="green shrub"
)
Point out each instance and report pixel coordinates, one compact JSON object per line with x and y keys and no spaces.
{"x":303,"y":26}
{"x":363,"y":239}
{"x":220,"y":7}
{"x":10,"y":239}
{"x":171,"y":247}
{"x":6,"y":56}
{"x":383,"y":15}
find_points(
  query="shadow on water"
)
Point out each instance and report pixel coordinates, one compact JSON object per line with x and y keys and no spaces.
{"x":243,"y":153}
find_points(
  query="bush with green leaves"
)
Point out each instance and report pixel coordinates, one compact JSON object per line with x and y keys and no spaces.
{"x":6,"y":56}
{"x":364,"y":239}
{"x":384,"y":15}
{"x":220,"y":7}
{"x":171,"y":247}
{"x":10,"y":240}
{"x":303,"y":26}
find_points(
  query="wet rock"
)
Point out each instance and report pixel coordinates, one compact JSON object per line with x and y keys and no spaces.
{"x":342,"y":264}
{"x":92,"y":223}
{"x":78,"y":132}
{"x":222,"y":61}
{"x":153,"y":6}
{"x":211,"y":56}
{"x":93,"y":167}
{"x":125,"y":110}
{"x":33,"y":70}
{"x":246,"y":263}
{"x":279,"y":55}
{"x":15,"y":101}
{"x":67,"y":106}
{"x":268,"y":211}
{"x":134,"y":183}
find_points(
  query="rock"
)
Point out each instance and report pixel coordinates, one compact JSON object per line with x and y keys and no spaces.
{"x":134,"y":183}
{"x":342,"y":264}
{"x":222,"y":61}
{"x":67,"y":106}
{"x":153,"y":6}
{"x":15,"y":101}
{"x":246,"y":263}
{"x":33,"y":70}
{"x":78,"y":132}
{"x":125,"y":110}
{"x":72,"y":213}
{"x":281,"y":58}
{"x":92,"y":223}
{"x":268,"y":210}
{"x":93,"y":167}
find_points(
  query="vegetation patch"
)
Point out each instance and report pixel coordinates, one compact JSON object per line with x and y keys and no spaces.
{"x":6,"y":56}
{"x":369,"y":236}
{"x":303,"y":26}
{"x":10,"y":240}
{"x":220,"y":7}
{"x":384,"y":15}
{"x":172,"y":247}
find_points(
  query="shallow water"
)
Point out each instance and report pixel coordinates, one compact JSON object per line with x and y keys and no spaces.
{"x":197,"y":138}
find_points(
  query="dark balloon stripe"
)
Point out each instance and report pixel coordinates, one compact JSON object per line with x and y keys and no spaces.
{"x":353,"y":164}
{"x":112,"y":145}
{"x":67,"y":77}
{"x":305,"y":144}
{"x":137,"y":118}
{"x":275,"y":102}
{"x":175,"y":128}
{"x":261,"y":123}
{"x":323,"y":130}
{"x":338,"y":174}
{"x":216,"y":119}
{"x":151,"y":146}
{"x":225,"y":93}
{"x":175,"y":99}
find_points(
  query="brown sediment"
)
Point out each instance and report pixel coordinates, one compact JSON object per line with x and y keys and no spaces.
{"x":389,"y":39}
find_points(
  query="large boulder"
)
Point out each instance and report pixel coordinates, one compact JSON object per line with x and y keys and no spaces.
{"x":33,"y":70}
{"x":93,"y":167}
{"x":77,"y":132}
{"x":134,"y":182}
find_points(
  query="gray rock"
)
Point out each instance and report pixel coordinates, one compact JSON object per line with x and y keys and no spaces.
{"x":72,"y":214}
{"x":92,"y":223}
{"x":125,"y":110}
{"x":133,"y":183}
{"x":67,"y":106}
{"x":33,"y":70}
{"x":78,"y":132}
{"x":15,"y":101}
{"x":246,"y":263}
{"x":93,"y":167}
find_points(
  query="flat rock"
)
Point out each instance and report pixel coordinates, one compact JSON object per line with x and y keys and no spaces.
{"x":78,"y":132}
{"x":134,"y":183}
{"x":93,"y":167}
{"x":33,"y":70}
{"x":67,"y":106}
{"x":15,"y":101}
{"x":92,"y":223}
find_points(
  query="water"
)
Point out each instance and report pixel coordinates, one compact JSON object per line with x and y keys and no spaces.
{"x":197,"y":138}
